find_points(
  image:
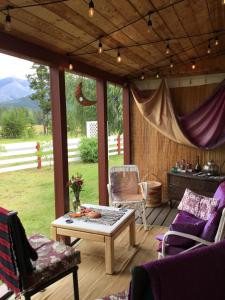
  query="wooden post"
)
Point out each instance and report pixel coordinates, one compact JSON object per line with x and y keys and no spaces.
{"x":38,"y":147}
{"x":126,"y":126}
{"x":59,"y":131}
{"x":101,"y":91}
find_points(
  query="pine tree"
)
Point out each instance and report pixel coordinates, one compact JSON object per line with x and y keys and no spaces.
{"x":39,"y":82}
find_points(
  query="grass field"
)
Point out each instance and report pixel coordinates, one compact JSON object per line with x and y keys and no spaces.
{"x":31,"y":193}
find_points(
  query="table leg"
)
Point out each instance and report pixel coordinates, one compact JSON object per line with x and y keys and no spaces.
{"x":132,"y":233}
{"x":54,"y":235}
{"x":109,"y":255}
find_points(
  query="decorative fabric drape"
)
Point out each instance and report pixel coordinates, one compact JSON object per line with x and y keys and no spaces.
{"x":158,"y":111}
{"x":203,"y":128}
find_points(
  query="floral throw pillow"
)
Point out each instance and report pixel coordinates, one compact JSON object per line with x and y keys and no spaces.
{"x":200,"y":206}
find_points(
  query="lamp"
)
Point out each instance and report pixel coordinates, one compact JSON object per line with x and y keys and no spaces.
{"x":91,"y":9}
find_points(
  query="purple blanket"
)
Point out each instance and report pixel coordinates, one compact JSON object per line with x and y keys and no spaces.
{"x":197,"y":275}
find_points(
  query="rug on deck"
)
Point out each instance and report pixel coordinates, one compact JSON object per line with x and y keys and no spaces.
{"x":119,"y":296}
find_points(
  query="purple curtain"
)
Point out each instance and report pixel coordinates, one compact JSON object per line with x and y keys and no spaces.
{"x":205,"y":127}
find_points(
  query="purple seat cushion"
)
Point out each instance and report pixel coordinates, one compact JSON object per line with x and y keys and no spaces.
{"x":193,"y":229}
{"x":186,"y":223}
{"x":220,"y":195}
{"x":212,"y":224}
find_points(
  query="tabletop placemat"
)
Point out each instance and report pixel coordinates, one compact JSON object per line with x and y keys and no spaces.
{"x":108,"y":217}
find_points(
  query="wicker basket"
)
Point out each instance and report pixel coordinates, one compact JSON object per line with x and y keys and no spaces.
{"x":153,"y":193}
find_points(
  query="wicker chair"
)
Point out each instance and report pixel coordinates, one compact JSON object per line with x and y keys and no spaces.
{"x":125,"y":189}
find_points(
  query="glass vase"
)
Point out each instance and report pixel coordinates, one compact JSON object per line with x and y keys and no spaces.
{"x":76,"y":201}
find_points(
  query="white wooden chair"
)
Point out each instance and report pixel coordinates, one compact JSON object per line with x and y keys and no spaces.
{"x":125,"y":189}
{"x":220,"y":233}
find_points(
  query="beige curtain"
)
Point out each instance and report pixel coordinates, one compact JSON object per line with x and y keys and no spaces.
{"x":158,"y":111}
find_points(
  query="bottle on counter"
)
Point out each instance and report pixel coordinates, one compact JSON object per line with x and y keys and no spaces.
{"x":197,"y":167}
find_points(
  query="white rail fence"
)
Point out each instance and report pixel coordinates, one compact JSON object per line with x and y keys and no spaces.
{"x":20,"y":156}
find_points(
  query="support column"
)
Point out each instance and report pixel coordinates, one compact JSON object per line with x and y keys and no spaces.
{"x":101,"y":91}
{"x":126,"y":126}
{"x":59,"y":132}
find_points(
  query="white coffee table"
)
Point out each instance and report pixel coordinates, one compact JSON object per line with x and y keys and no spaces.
{"x":97,"y":232}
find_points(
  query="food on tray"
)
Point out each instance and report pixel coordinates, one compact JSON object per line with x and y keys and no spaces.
{"x":75,"y":215}
{"x":94,"y":215}
{"x":85,"y":211}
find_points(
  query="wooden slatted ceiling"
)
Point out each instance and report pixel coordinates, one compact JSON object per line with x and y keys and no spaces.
{"x":65,"y":27}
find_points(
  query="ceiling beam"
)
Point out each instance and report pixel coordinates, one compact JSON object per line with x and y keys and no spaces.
{"x":15,"y":46}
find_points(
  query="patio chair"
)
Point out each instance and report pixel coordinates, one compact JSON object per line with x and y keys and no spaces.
{"x":200,"y":222}
{"x":125,"y":189}
{"x":28,"y":266}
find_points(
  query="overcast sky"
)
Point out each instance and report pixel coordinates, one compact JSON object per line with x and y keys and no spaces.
{"x":11,"y":66}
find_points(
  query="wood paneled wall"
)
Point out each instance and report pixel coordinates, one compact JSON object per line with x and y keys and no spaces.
{"x":154,"y":153}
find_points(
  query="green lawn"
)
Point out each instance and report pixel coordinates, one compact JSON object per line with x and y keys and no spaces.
{"x":31,"y":193}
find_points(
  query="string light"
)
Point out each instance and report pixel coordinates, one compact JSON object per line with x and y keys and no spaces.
{"x":209,"y":48}
{"x":171,"y":64}
{"x":167,"y":48}
{"x":149,"y":22}
{"x":217,"y":40}
{"x":157,"y":75}
{"x":100,"y":49}
{"x":193,"y":66}
{"x":70,"y":66}
{"x":119,"y":59}
{"x":8,"y":21}
{"x":91,"y":9}
{"x":142,"y":76}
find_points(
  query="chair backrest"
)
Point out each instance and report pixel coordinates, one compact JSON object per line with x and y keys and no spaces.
{"x":124,"y":179}
{"x":22,"y":249}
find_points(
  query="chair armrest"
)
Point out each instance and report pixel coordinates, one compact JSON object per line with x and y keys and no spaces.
{"x":185,"y":235}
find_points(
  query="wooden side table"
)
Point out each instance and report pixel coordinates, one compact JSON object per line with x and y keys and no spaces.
{"x":203,"y":185}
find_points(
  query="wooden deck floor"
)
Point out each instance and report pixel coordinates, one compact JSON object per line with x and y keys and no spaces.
{"x":160,"y":216}
{"x":93,"y":282}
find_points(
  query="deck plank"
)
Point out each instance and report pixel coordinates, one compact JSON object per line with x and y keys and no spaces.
{"x":163,"y":215}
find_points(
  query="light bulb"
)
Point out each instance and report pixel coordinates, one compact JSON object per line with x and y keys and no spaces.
{"x":70,"y":66}
{"x":171,"y":64}
{"x":149,"y":23}
{"x":209,"y":49}
{"x":91,"y":9}
{"x":8,"y":22}
{"x":217,"y":40}
{"x":157,"y":75}
{"x":167,"y":49}
{"x":100,"y":50}
{"x":142,"y":76}
{"x":119,"y":59}
{"x":193,"y":66}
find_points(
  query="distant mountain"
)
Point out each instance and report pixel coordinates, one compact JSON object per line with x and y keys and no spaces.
{"x":21,"y":102}
{"x":12,"y":88}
